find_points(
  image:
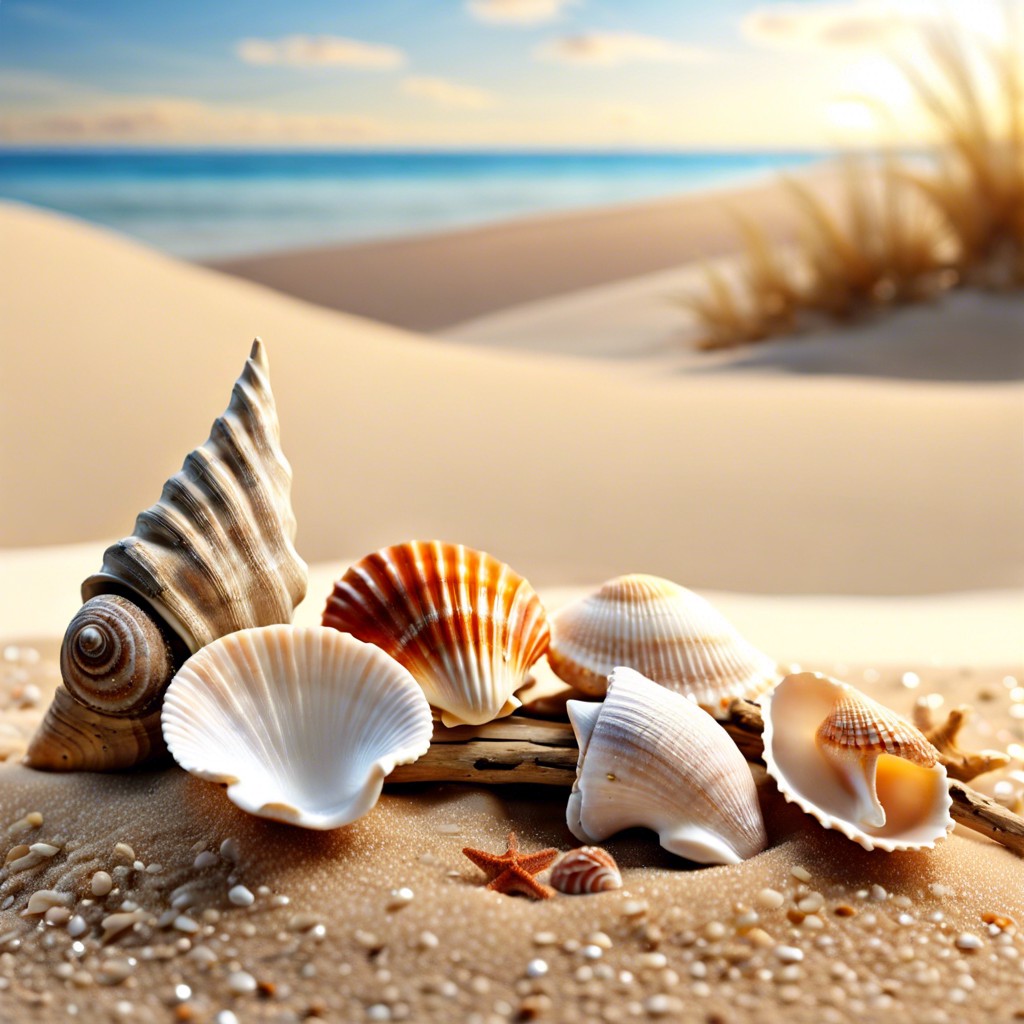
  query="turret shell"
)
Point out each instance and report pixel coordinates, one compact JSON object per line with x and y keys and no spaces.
{"x":665,"y":632}
{"x":650,"y":757}
{"x":301,"y":724}
{"x":465,"y":625}
{"x":839,"y":755}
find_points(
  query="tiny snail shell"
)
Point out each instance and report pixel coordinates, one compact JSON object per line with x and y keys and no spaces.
{"x":114,"y":657}
{"x":585,"y":870}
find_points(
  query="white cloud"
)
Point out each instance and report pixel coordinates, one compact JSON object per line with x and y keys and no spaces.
{"x":175,"y":120}
{"x":319,"y":51}
{"x":446,"y":93}
{"x":518,"y":12}
{"x":612,"y":48}
{"x":852,"y":24}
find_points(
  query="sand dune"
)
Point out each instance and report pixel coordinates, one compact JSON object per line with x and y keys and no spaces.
{"x":118,"y":359}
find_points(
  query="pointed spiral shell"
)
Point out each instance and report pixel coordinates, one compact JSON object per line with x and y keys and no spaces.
{"x":585,"y":870}
{"x":114,"y":658}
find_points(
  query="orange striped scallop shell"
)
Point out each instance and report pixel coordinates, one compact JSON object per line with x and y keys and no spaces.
{"x":464,"y":624}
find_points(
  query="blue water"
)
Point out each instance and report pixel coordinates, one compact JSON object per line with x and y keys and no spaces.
{"x":205,"y":204}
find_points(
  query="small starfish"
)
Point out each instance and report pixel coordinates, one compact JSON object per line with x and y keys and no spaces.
{"x":512,"y":871}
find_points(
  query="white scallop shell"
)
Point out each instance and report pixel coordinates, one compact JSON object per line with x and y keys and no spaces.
{"x":665,"y":632}
{"x":650,"y":757}
{"x":301,"y":724}
{"x":892,"y":771}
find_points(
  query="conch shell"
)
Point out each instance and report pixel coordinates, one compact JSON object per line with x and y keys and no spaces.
{"x":464,"y":624}
{"x":650,"y":757}
{"x":301,"y":724}
{"x":215,"y":554}
{"x":855,"y":765}
{"x":665,"y":632}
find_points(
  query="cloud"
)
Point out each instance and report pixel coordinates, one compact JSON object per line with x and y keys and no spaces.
{"x":447,"y":93}
{"x":319,"y":51}
{"x":176,"y":120}
{"x":518,"y":12}
{"x":860,"y":23}
{"x":612,"y":48}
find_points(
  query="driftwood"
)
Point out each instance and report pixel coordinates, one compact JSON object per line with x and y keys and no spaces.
{"x":533,"y":750}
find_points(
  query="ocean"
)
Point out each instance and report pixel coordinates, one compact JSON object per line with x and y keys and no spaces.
{"x":209,"y":204}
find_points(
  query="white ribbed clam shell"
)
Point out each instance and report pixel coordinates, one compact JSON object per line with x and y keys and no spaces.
{"x":466,"y":625}
{"x":301,"y":724}
{"x":914,"y":795}
{"x":665,"y":632}
{"x":650,"y":757}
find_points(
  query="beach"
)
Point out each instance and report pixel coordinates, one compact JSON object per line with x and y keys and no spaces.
{"x":851,"y":500}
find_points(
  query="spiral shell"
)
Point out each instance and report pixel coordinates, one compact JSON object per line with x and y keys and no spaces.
{"x":665,"y":632}
{"x":114,"y":658}
{"x":215,"y":554}
{"x":301,"y":724}
{"x":854,"y":765}
{"x":464,"y":624}
{"x":650,"y":757}
{"x":585,"y":870}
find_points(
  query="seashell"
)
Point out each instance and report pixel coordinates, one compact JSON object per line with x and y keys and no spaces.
{"x":652,"y":758}
{"x":663,"y":631}
{"x":464,"y":624}
{"x":584,"y":870}
{"x":854,"y":765}
{"x":215,"y":554}
{"x":301,"y":724}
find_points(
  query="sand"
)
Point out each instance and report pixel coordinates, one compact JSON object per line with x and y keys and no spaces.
{"x":571,"y":470}
{"x":846,"y":508}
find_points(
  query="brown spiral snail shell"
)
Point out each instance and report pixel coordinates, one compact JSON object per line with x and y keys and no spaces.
{"x":214,"y":555}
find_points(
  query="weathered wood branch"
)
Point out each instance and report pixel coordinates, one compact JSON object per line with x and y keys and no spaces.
{"x":533,"y":750}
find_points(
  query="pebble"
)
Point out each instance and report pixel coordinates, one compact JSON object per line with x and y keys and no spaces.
{"x":77,"y":926}
{"x":662,"y":1005}
{"x":634,"y":908}
{"x":116,"y":970}
{"x":226,"y":1017}
{"x":544,"y":938}
{"x":205,"y":859}
{"x":185,"y":924}
{"x":966,"y":940}
{"x":400,"y":898}
{"x":101,"y":884}
{"x":124,"y":850}
{"x":241,"y":983}
{"x":788,"y":954}
{"x":769,"y":899}
{"x":42,"y":899}
{"x":811,"y":903}
{"x":229,"y":850}
{"x":801,"y":873}
{"x":714,"y":930}
{"x":241,"y":896}
{"x":536,"y":968}
{"x":57,"y":916}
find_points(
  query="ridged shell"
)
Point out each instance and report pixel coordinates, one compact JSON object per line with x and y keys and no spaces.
{"x":665,"y":632}
{"x":73,"y":737}
{"x":464,"y":624}
{"x":586,"y":869}
{"x":301,"y":724}
{"x":650,"y":757}
{"x":215,"y":554}
{"x":854,"y":765}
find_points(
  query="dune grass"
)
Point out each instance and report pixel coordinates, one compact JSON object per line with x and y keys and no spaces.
{"x":894,"y":232}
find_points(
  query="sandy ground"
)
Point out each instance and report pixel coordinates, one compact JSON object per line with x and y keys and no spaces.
{"x":571,"y":470}
{"x":436,"y":281}
{"x":881,"y":499}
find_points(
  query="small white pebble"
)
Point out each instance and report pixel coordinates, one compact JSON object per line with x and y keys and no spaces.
{"x":124,"y":850}
{"x":634,"y":908}
{"x":965,"y":940}
{"x":536,"y":968}
{"x":101,"y":884}
{"x":600,"y":939}
{"x":661,"y":1005}
{"x":400,"y":898}
{"x":769,"y":899}
{"x":42,"y":899}
{"x":714,"y":930}
{"x":544,"y":938}
{"x":878,"y":893}
{"x":241,"y":983}
{"x":811,"y":903}
{"x":205,"y":859}
{"x":44,"y":849}
{"x":592,"y":952}
{"x":428,"y":940}
{"x":77,"y":926}
{"x":378,"y":1011}
{"x":229,"y":850}
{"x":788,"y":954}
{"x":185,"y":924}
{"x":226,"y":1017}
{"x":57,"y":916}
{"x":241,"y":897}
{"x":800,"y":872}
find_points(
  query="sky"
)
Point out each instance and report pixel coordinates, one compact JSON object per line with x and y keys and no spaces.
{"x":461,"y":73}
